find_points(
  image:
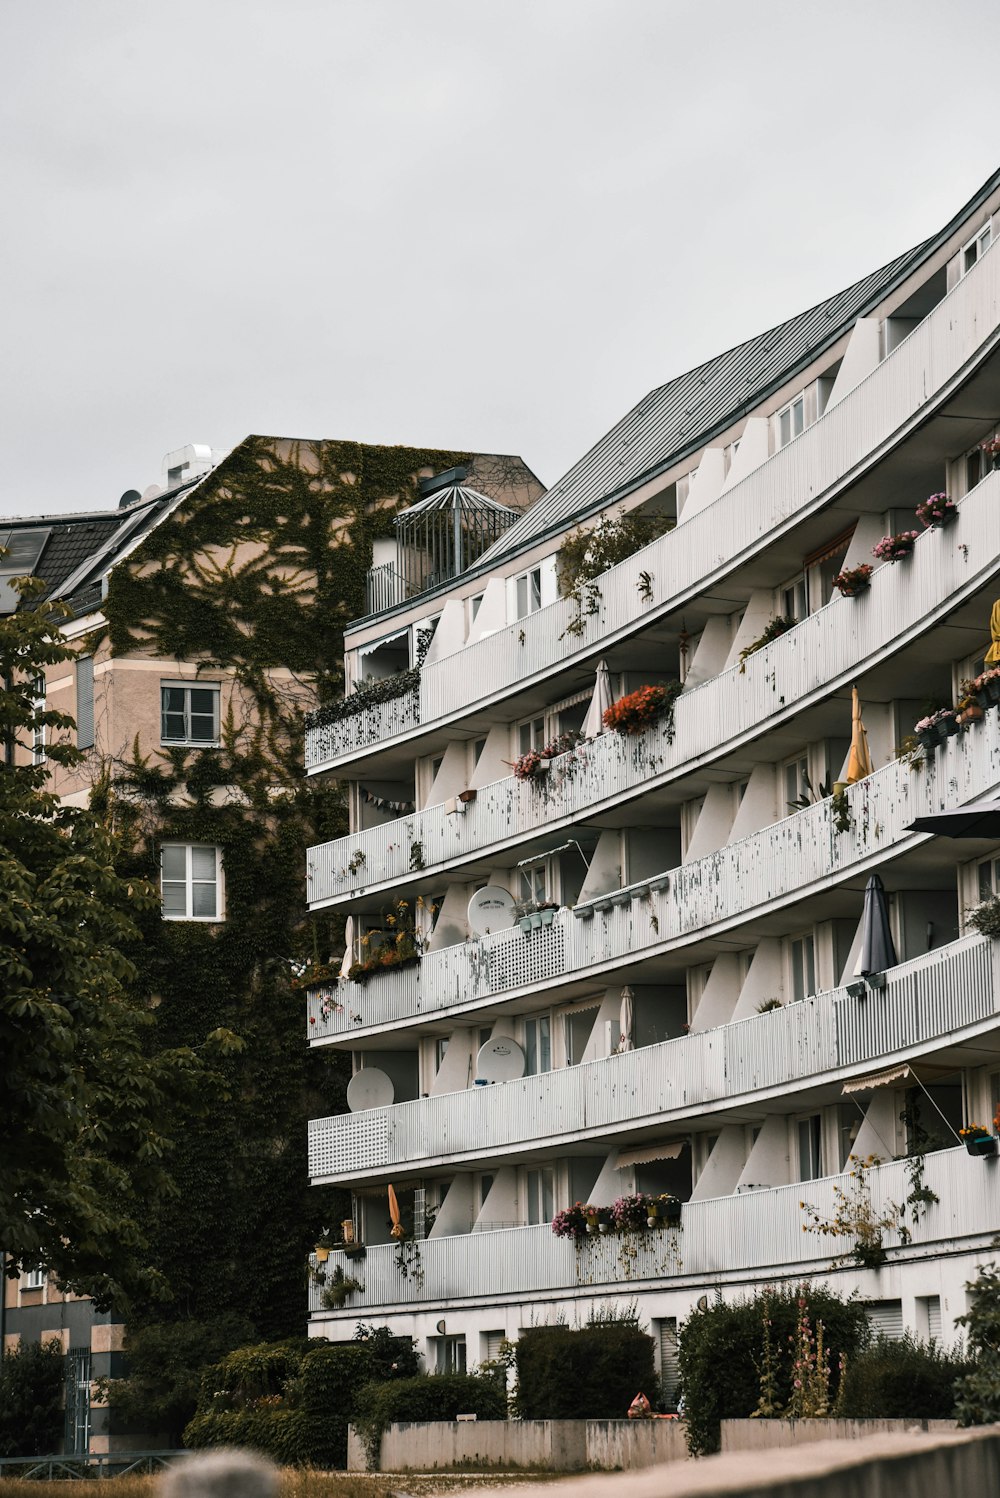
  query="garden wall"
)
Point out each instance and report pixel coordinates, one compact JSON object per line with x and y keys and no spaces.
{"x":766,"y":1435}
{"x":548,"y":1445}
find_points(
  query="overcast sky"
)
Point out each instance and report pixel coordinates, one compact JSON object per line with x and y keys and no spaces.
{"x":491,"y":224}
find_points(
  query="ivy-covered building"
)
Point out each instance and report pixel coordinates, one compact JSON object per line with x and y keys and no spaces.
{"x":206,"y":615}
{"x":619,"y":1023}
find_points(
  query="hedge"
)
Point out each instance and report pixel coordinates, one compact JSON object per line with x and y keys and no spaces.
{"x":286,"y":1436}
{"x":901,"y":1380}
{"x":592,"y":1373}
{"x":721,"y":1353}
{"x":435,"y":1397}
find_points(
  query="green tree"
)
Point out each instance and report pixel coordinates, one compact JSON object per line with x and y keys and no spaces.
{"x":165,"y":1364}
{"x":84,"y":1104}
{"x":31,"y":1388}
{"x":977,"y":1395}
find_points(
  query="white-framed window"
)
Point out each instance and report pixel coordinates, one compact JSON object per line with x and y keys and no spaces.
{"x":802,"y":966}
{"x":440,"y":1050}
{"x":794,"y":599}
{"x":988,"y":878}
{"x":540,"y":1195}
{"x":974,"y":249}
{"x":537,"y":1032}
{"x":810,"y":1146}
{"x":34,"y":1279}
{"x":189,"y":713}
{"x":578,"y":1027}
{"x":476,"y":748}
{"x":450,"y":1354}
{"x":530,"y":735}
{"x":38,"y":755}
{"x":791,"y":421}
{"x":191,"y":881}
{"x":794,"y":783}
{"x":528,"y":592}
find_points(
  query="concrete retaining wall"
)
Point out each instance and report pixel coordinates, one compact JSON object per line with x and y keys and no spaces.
{"x":766,"y":1435}
{"x":546,"y":1445}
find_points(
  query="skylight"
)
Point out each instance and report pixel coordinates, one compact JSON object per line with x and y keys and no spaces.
{"x":22,"y":549}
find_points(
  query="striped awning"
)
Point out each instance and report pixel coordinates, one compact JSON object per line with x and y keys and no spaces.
{"x":667,"y":1151}
{"x":877,"y":1079}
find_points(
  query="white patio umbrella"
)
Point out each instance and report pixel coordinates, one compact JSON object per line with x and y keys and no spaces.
{"x":602,"y":699}
{"x":348,"y":961}
{"x":626,"y":1019}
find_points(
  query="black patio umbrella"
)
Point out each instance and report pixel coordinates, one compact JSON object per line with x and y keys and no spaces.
{"x":977,"y":819}
{"x":877,"y":949}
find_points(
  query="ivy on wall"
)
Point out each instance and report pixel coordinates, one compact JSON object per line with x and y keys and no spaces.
{"x":255,"y":573}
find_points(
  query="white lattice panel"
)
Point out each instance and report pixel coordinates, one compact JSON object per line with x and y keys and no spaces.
{"x":350,"y":1142}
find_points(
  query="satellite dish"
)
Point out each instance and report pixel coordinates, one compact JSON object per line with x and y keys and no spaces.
{"x":491,"y":909}
{"x":500,"y":1060}
{"x":369,"y":1088}
{"x":130,"y":497}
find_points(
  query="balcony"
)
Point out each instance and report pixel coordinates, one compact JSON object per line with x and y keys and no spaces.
{"x":793,"y":482}
{"x":727,"y":1239}
{"x":827,"y":651}
{"x":946,"y":993}
{"x":775,"y":867}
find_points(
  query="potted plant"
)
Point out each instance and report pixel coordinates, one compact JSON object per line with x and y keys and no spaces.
{"x":528,"y":765}
{"x":978,"y":1141}
{"x":936,"y":511}
{"x":592,"y":1220}
{"x":895,"y":548}
{"x":987,"y":687}
{"x":338,"y":1288}
{"x":630,"y":1212}
{"x":639,"y":710}
{"x":851,"y":582}
{"x":604,"y":1223}
{"x":985,"y":917}
{"x":571,"y":1222}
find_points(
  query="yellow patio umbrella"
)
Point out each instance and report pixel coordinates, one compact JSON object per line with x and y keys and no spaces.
{"x":397,"y":1230}
{"x":859,"y":763}
{"x":993,"y":654}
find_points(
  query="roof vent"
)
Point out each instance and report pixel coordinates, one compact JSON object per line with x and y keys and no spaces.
{"x":186,"y":463}
{"x":442,"y":480}
{"x":129,"y":498}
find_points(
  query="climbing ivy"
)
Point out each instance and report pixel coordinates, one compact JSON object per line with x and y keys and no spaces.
{"x":255,"y":573}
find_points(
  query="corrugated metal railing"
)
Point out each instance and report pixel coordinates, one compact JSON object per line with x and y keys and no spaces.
{"x":766,"y":869}
{"x":827,"y":650}
{"x":744,"y":518}
{"x":100,"y":1464}
{"x":939,"y":994}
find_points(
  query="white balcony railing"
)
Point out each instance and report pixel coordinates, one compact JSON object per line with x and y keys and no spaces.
{"x":756,"y":1232}
{"x":385,"y":720}
{"x":942,"y":993}
{"x":830,"y":648}
{"x":742,"y":521}
{"x":773,"y":867}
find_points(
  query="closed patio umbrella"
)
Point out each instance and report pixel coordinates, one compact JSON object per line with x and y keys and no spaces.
{"x":878,"y":951}
{"x":602,"y":699}
{"x":626,"y":1019}
{"x":396,"y":1231}
{"x":859,"y":763}
{"x":348,"y":961}
{"x":993,"y":654}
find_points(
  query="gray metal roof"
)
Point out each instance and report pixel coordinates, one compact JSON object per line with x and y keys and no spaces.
{"x":679,"y":417}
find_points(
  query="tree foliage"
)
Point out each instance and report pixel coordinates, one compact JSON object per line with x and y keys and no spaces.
{"x":165,"y":1364}
{"x":31,"y":1389}
{"x":978,"y":1393}
{"x":85,"y":1103}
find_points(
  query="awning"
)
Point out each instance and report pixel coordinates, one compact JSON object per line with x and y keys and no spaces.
{"x":877,"y":1079}
{"x":668,"y":1151}
{"x":369,"y":649}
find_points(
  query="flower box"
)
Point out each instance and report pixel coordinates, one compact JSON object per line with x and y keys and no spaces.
{"x":936,"y":511}
{"x":949,"y":726}
{"x":927,"y":738}
{"x":984,"y":1144}
{"x":853,"y":581}
{"x":895,"y":548}
{"x":467,"y":796}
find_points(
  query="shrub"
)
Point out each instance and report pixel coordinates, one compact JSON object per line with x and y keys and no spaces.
{"x":437,"y":1397}
{"x":282,"y":1434}
{"x":164,"y":1364}
{"x":900,"y":1380}
{"x":977,"y":1395}
{"x":722,"y":1349}
{"x":592,"y":1373}
{"x":31,"y":1390}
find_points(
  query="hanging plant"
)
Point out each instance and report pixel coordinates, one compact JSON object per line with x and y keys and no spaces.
{"x":639,"y":710}
{"x":853,"y":581}
{"x":778,"y":626}
{"x":585,"y":556}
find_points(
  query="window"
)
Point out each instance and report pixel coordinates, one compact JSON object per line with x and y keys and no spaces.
{"x":19,"y":558}
{"x":450,"y":1354}
{"x":85,"y":702}
{"x":810,"y":1151}
{"x":485,"y":1187}
{"x":537,"y":1045}
{"x":441,"y":1049}
{"x":530,"y":735}
{"x":977,"y":465}
{"x":475,"y":604}
{"x":34,"y":1279}
{"x":796,"y":778}
{"x":792,"y":421}
{"x":540,"y":1188}
{"x":803,"y":963}
{"x":989,"y":878}
{"x":38,"y":731}
{"x":528,"y":592}
{"x":579,"y":1028}
{"x":794,"y":604}
{"x":476,"y":753}
{"x":189,"y":715}
{"x":492,"y":1344}
{"x":190,"y":879}
{"x":534,"y":884}
{"x":976,"y":248}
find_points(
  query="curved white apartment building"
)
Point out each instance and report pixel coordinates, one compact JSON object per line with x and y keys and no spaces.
{"x":709,"y":871}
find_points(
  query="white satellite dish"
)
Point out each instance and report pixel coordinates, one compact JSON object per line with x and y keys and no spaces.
{"x":491,"y":909}
{"x":369,"y":1088}
{"x":500,"y":1060}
